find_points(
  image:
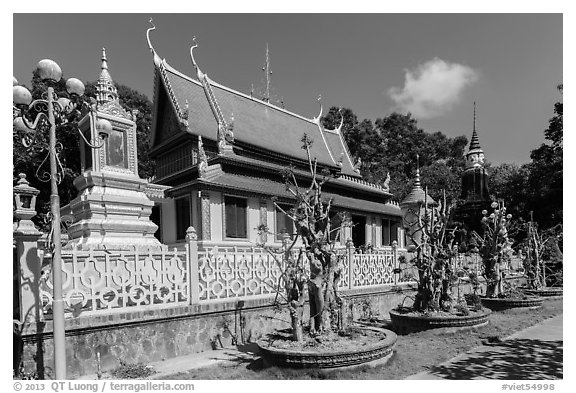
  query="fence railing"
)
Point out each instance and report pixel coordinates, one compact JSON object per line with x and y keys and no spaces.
{"x":98,"y":282}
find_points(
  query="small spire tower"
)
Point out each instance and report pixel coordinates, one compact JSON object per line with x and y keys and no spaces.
{"x":105,"y":88}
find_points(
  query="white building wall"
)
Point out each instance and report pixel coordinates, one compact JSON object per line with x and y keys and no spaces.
{"x":253,"y":219}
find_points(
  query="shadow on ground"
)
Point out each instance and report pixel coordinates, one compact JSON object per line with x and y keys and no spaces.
{"x":511,"y":359}
{"x":249,"y":355}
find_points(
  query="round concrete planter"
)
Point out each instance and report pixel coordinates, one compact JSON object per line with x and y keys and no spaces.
{"x":545,"y":292}
{"x":406,"y":323}
{"x":315,"y":359}
{"x":505,"y":303}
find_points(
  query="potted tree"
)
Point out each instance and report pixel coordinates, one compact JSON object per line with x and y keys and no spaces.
{"x":313,"y":271}
{"x":543,"y":261}
{"x":434,"y":255}
{"x":495,"y":248}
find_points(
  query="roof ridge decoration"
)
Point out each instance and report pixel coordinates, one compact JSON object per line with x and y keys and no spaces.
{"x":367,"y":183}
{"x":202,"y":158}
{"x":386,"y":186}
{"x":173,"y":98}
{"x":161,"y":69}
{"x":358,"y":165}
{"x":318,"y":121}
{"x":225,"y":131}
{"x":345,"y":151}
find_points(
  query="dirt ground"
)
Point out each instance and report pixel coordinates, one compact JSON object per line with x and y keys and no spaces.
{"x":413,"y":353}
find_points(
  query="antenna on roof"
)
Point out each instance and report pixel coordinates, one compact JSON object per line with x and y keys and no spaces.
{"x":474,"y":125}
{"x":267,"y":73}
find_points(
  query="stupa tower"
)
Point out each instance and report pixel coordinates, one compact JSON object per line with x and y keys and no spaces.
{"x":475,"y":195}
{"x":112,"y":209}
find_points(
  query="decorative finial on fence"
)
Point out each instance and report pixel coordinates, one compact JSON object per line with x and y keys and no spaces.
{"x":191,"y":234}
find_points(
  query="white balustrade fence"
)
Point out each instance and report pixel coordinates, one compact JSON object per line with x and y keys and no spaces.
{"x":234,"y":273}
{"x":102,"y":281}
{"x":374,"y":269}
{"x":96,"y":281}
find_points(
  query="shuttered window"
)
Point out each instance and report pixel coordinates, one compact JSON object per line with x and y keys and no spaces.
{"x":235,"y":212}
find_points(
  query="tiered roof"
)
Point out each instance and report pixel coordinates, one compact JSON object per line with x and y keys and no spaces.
{"x":204,"y":107}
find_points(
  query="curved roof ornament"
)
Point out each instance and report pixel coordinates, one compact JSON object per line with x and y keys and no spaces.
{"x":198,"y":71}
{"x":317,"y":119}
{"x":157,"y":59}
{"x":341,"y":121}
{"x":148,"y":35}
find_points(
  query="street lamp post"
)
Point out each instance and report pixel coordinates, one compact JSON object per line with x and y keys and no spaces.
{"x":48,"y":114}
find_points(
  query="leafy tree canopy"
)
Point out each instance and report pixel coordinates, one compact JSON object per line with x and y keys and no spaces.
{"x":391,"y":144}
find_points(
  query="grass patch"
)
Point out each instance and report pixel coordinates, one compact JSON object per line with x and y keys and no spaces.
{"x":132,"y":371}
{"x":413,"y":353}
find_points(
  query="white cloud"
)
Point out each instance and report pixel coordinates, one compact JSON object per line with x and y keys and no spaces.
{"x":432,"y":88}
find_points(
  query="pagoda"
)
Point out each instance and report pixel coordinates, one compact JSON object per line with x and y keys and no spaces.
{"x":475,"y":195}
{"x":413,"y":206}
{"x":112,"y":209}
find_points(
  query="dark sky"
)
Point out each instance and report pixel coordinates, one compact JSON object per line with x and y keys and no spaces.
{"x":433,"y":65}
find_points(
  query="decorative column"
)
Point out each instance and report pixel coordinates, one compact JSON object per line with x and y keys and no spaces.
{"x":204,"y":207}
{"x":350,"y":255}
{"x":193,"y":262}
{"x":373,"y":235}
{"x":28,"y":261}
{"x":263,"y":220}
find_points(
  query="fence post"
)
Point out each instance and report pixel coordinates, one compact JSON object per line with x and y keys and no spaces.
{"x":350,"y":256}
{"x":26,"y":261}
{"x":192,"y":257}
{"x":395,"y":260}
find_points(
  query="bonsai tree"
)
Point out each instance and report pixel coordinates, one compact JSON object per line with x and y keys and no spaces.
{"x":310,"y":214}
{"x":434,"y":248}
{"x":494,"y":247}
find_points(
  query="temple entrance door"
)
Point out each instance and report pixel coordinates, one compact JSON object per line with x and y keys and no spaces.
{"x":358,"y":230}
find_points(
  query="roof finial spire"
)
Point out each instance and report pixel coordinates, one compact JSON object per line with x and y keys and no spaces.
{"x":267,"y":73}
{"x":105,"y":88}
{"x":474,"y":126}
{"x":104,"y":60}
{"x":417,"y":181}
{"x":474,"y":141}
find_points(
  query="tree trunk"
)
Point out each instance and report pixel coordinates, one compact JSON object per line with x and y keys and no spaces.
{"x":493,"y":278}
{"x":296,"y":311}
{"x":316,"y":304}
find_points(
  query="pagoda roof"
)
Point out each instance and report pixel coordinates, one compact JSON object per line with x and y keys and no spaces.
{"x":256,"y":124}
{"x":418,"y":195}
{"x":217,"y":178}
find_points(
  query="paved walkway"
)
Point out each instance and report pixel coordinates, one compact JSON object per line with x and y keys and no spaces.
{"x":533,"y":353}
{"x":198,"y":360}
